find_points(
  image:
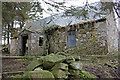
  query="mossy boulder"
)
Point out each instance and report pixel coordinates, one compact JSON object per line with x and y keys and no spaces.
{"x":17,"y":77}
{"x":87,"y":74}
{"x":69,"y":59}
{"x":38,"y":74}
{"x":50,"y":60}
{"x":33,"y":65}
{"x":80,"y":74}
{"x":61,"y":53}
{"x":60,"y":74}
{"x":62,"y":66}
{"x":76,"y":65}
{"x":74,"y":72}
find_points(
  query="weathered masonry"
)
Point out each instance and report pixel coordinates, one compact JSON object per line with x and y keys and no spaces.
{"x":83,"y":38}
{"x":28,"y":42}
{"x":68,"y":34}
{"x":89,"y":37}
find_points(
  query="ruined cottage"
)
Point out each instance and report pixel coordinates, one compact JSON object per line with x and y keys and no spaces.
{"x":69,"y":34}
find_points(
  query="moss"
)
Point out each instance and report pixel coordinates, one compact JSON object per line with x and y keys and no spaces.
{"x":87,"y":74}
{"x":38,"y":30}
{"x":60,"y":74}
{"x":74,"y":72}
{"x":76,"y":65}
{"x":13,"y":72}
{"x":29,"y":30}
{"x":62,"y":66}
{"x":17,"y":77}
{"x":38,"y":74}
{"x":50,"y":60}
{"x":33,"y":65}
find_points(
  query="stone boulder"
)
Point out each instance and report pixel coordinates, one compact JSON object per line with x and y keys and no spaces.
{"x":33,"y":65}
{"x":87,"y":74}
{"x":50,"y":60}
{"x":38,"y":74}
{"x":69,"y":59}
{"x":74,"y":72}
{"x":60,"y":74}
{"x":76,"y":65}
{"x":62,"y":66}
{"x":17,"y":77}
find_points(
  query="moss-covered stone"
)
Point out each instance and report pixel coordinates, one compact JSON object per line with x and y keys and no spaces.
{"x":69,"y":59}
{"x":54,"y":58}
{"x":50,"y":60}
{"x":60,"y":74}
{"x":76,"y":65}
{"x":62,"y":66}
{"x":38,"y":74}
{"x":61,"y":53}
{"x":17,"y":77}
{"x":74,"y":72}
{"x":87,"y":74}
{"x":33,"y":65}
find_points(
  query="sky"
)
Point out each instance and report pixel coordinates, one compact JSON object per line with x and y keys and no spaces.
{"x":68,"y":3}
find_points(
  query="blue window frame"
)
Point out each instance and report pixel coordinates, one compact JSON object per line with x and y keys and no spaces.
{"x":71,"y":38}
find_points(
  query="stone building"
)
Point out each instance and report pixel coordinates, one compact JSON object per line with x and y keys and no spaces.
{"x":70,"y":34}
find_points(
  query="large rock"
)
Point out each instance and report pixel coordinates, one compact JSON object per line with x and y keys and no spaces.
{"x":50,"y":60}
{"x":69,"y":59}
{"x":38,"y":74}
{"x":76,"y":65}
{"x":74,"y":72}
{"x":62,"y":66}
{"x":60,"y":74}
{"x":17,"y":77}
{"x":33,"y":65}
{"x":87,"y":74}
{"x":38,"y":68}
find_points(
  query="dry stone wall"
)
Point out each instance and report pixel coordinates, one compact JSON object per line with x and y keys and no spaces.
{"x":90,"y":39}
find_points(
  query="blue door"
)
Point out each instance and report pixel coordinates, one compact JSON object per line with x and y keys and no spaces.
{"x":71,"y":39}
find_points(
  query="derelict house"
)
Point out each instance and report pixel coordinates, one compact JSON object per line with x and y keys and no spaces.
{"x":69,"y":34}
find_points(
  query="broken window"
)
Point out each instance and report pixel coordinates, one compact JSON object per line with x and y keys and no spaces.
{"x":71,"y":38}
{"x":40,"y":41}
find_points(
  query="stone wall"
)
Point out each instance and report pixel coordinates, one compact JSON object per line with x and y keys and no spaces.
{"x":33,"y":43}
{"x":13,"y":46}
{"x":112,"y":32}
{"x":91,"y":38}
{"x":96,"y":37}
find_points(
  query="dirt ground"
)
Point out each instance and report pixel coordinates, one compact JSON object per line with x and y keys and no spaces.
{"x":101,"y":70}
{"x":12,"y":65}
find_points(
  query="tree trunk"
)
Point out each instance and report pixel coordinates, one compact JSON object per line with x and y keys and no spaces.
{"x":12,"y":29}
{"x":4,"y":34}
{"x":8,"y":34}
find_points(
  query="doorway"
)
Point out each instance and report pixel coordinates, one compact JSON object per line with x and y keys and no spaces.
{"x":24,"y":44}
